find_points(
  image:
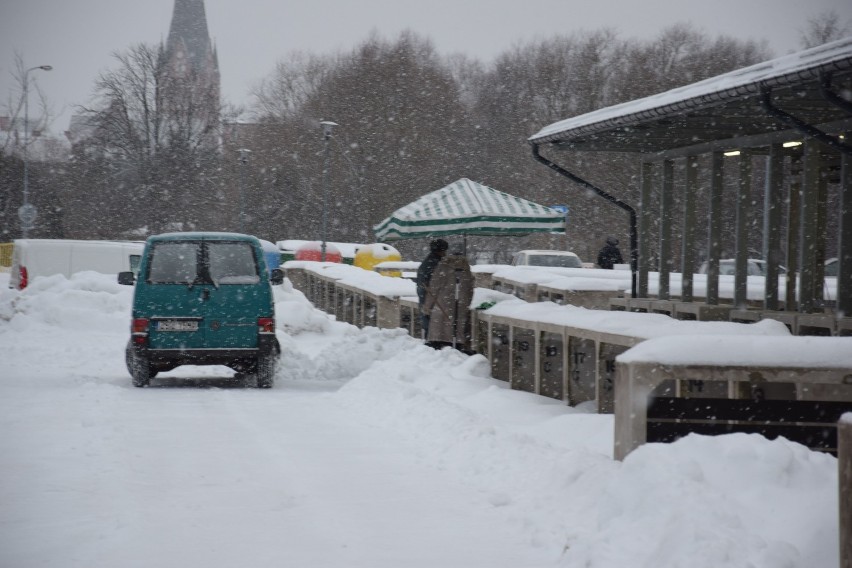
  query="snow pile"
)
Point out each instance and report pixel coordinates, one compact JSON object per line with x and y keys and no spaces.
{"x":702,"y":502}
{"x":372,"y":450}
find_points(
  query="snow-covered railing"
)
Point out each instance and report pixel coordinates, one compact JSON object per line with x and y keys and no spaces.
{"x":796,"y":387}
{"x":352,"y":294}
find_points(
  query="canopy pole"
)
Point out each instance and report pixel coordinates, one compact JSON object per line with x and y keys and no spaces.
{"x":634,"y":239}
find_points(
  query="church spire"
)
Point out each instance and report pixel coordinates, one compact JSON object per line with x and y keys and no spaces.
{"x":188,"y":34}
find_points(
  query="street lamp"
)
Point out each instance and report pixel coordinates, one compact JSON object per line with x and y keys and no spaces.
{"x":244,"y":152}
{"x":327,"y":127}
{"x":27,"y":212}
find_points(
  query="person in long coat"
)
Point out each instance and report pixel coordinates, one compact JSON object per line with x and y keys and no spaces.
{"x":448,"y":300}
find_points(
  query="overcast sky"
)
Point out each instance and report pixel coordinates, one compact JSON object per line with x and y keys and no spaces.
{"x":77,"y":37}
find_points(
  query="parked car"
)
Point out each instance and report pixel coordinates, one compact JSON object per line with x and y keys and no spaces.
{"x":202,"y":299}
{"x":32,"y":258}
{"x":549,"y":258}
{"x":727,"y":267}
{"x":831,"y":267}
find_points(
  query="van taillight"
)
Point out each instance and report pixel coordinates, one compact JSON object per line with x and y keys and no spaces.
{"x":139,"y":331}
{"x":266,"y":325}
{"x":24,"y":280}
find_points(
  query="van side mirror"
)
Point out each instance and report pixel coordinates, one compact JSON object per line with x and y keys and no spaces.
{"x":276,"y":276}
{"x":126,"y":278}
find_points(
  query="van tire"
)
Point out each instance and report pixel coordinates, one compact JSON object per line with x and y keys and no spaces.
{"x":139,"y":367}
{"x":265,"y":371}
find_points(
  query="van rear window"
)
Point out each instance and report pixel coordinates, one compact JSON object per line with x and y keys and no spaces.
{"x":193,"y":262}
{"x":174,"y":263}
{"x":232,"y":263}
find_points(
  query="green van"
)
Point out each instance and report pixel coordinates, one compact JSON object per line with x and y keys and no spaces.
{"x":202,"y":299}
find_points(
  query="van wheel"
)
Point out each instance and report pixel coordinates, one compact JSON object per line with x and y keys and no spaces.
{"x":139,"y":367}
{"x":265,"y":371}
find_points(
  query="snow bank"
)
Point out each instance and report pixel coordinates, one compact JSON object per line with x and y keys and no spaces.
{"x":85,"y":471}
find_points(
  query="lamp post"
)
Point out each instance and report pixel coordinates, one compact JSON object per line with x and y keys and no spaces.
{"x":27,"y":212}
{"x":244,"y":152}
{"x":327,"y":127}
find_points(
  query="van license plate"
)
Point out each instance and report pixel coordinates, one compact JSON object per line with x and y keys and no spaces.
{"x":177,"y":325}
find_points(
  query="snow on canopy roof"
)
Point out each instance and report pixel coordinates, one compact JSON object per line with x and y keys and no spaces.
{"x":808,"y":65}
{"x":468,"y":207}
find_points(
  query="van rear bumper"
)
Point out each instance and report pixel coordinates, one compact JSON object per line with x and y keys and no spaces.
{"x":170,"y":358}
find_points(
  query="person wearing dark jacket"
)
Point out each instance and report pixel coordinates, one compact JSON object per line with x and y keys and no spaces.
{"x":610,"y":255}
{"x":437,"y":251}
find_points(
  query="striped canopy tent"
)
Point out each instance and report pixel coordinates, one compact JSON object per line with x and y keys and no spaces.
{"x":468,"y":208}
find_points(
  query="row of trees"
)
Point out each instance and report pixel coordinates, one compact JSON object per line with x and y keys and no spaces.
{"x":154,"y":158}
{"x":411,"y":122}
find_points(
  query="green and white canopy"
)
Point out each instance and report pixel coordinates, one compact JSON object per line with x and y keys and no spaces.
{"x":468,"y":208}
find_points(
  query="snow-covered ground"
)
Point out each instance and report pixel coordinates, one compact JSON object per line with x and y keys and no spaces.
{"x":370,"y":451}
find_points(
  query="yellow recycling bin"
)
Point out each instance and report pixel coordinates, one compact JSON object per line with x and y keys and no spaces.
{"x":368,"y":256}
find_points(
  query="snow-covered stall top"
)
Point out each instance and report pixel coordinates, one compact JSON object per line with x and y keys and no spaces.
{"x":348,"y":250}
{"x":773,"y":352}
{"x":631,"y":324}
{"x":746,"y":81}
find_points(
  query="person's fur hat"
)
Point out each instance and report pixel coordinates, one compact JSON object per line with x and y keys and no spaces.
{"x":611,"y":241}
{"x":438,"y":245}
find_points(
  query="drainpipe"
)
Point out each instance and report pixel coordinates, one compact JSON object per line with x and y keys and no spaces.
{"x":799,"y":124}
{"x":634,"y":238}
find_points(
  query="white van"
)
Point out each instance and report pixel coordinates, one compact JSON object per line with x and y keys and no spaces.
{"x":43,"y":257}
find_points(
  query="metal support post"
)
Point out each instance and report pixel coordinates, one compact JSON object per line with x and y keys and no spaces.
{"x":714,"y":244}
{"x":688,"y":250}
{"x":773,"y":208}
{"x":666,"y":210}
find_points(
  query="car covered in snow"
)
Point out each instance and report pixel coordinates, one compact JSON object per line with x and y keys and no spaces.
{"x":202,"y":299}
{"x":728,"y":267}
{"x":548,"y":258}
{"x":831,"y":267}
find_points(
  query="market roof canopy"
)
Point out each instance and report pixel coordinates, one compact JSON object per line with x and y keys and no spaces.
{"x":723,"y":112}
{"x":469,"y":208}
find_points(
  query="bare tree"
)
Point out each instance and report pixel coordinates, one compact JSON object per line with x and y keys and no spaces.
{"x":823,"y":28}
{"x":403,"y":133}
{"x":412,"y":121}
{"x":296,"y":78}
{"x":159,"y":132}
